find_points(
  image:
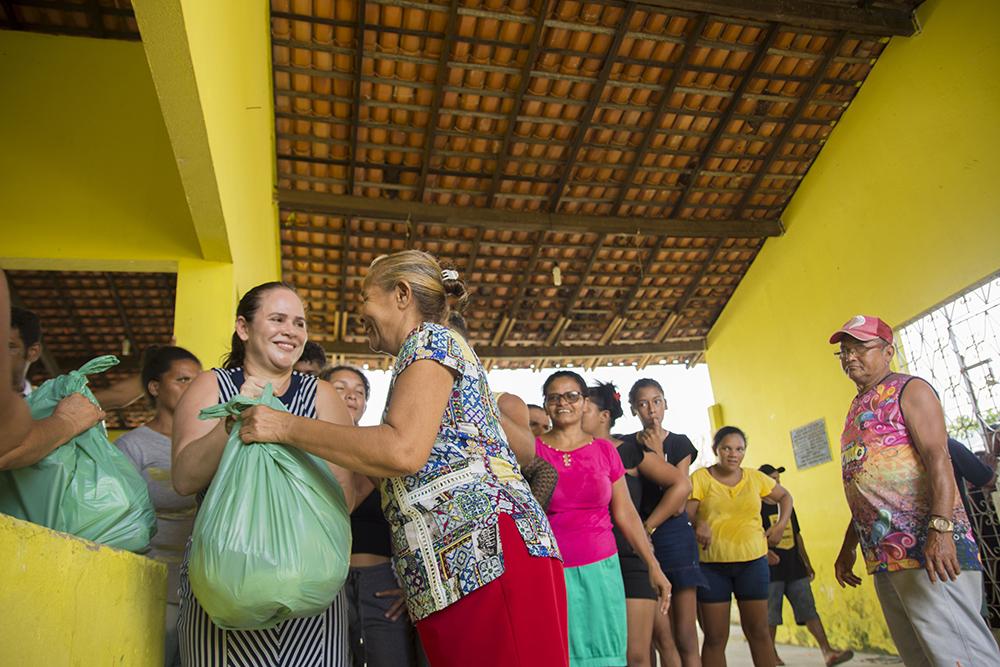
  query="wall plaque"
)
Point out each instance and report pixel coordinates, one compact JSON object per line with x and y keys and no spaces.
{"x":811,"y":444}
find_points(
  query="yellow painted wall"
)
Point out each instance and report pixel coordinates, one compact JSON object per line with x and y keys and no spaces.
{"x":230,"y":45}
{"x":900,"y":211}
{"x":205,"y":309}
{"x":86,"y":167}
{"x":212,"y":65}
{"x":67,"y":601}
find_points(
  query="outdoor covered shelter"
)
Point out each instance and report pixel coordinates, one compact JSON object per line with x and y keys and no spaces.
{"x":618,"y":183}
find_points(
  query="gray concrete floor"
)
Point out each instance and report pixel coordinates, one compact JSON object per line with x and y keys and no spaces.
{"x":738,"y":655}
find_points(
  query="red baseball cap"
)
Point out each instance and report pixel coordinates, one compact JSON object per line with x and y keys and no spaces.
{"x":864,"y":328}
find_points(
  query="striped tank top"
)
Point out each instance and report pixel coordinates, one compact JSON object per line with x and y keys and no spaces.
{"x":316,"y":641}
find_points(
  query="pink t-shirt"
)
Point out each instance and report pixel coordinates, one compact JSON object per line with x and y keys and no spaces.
{"x":579,"y":511}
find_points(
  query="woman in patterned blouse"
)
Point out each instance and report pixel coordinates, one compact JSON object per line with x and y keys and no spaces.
{"x":472,"y":548}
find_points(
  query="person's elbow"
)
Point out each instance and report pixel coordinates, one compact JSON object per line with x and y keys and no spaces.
{"x":182,"y":483}
{"x":684,"y":488}
{"x":408,"y":458}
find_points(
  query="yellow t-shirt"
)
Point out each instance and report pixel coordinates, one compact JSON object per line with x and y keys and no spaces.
{"x":733,"y":514}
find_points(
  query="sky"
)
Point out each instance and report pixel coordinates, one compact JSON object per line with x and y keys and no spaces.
{"x":688,"y":392}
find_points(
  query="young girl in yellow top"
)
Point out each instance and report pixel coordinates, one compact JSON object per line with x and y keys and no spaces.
{"x":725,"y":509}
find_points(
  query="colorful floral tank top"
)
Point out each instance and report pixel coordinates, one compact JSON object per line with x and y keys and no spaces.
{"x":887,"y":486}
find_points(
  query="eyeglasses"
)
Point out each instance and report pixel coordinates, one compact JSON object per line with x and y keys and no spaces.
{"x":857,"y":351}
{"x":570,"y":398}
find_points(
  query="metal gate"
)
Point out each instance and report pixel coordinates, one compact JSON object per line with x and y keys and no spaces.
{"x":956,"y":347}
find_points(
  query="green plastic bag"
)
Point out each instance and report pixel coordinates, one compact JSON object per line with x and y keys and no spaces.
{"x":272,"y":539}
{"x":86,"y":487}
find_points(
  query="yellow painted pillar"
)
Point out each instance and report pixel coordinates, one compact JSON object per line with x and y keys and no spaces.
{"x":68,"y":601}
{"x":205,"y":309}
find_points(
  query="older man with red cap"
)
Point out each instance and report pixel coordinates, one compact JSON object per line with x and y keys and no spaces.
{"x":906,"y":512}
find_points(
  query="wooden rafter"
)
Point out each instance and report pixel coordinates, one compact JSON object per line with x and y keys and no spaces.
{"x":120,"y":306}
{"x":734,"y":104}
{"x":522,"y":88}
{"x":578,"y":290}
{"x":587,"y":116}
{"x":388,"y":209}
{"x":93,"y":9}
{"x":797,"y":111}
{"x":872,"y":20}
{"x":522,"y":288}
{"x":794,"y":118}
{"x":8,"y":10}
{"x":344,"y":250}
{"x":440,"y":79}
{"x":668,"y":347}
{"x":662,"y":105}
{"x":359,"y":57}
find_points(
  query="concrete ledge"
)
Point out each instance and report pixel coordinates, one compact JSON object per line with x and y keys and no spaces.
{"x":67,"y":601}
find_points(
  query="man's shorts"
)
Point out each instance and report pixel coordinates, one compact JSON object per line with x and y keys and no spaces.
{"x":799,"y":594}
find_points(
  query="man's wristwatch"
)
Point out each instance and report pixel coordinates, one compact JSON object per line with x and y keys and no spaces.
{"x":941,"y":524}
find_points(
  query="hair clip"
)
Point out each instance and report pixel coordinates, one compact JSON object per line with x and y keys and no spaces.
{"x":449,"y":274}
{"x":618,"y":397}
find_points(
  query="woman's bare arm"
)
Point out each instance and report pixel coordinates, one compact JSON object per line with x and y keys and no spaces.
{"x":399,"y":446}
{"x":678,"y":487}
{"x":197,"y":443}
{"x":330,"y":408}
{"x":514,"y":419}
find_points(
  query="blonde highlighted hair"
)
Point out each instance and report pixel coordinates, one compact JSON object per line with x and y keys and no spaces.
{"x":437,"y":299}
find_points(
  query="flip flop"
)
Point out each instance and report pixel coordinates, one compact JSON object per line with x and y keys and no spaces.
{"x":839,"y":658}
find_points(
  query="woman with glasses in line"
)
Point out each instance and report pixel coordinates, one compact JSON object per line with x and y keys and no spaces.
{"x":591,"y":482}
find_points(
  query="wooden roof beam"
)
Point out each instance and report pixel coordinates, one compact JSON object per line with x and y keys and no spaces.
{"x":522,"y":88}
{"x":593,"y":101}
{"x":507,"y":353}
{"x":120,"y":306}
{"x":806,"y":13}
{"x":389,"y":209}
{"x":507,"y":323}
{"x":359,"y":57}
{"x":722,"y":124}
{"x":439,"y":82}
{"x":661,"y":109}
{"x":13,"y":22}
{"x":739,"y":206}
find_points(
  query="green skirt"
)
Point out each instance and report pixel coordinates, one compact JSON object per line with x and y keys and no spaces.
{"x":595,"y":599}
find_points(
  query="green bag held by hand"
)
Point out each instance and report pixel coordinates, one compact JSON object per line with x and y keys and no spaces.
{"x":272,"y":539}
{"x":85,"y":487}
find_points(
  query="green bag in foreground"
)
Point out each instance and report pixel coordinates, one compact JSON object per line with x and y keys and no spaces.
{"x":86,"y":487}
{"x":272,"y":539}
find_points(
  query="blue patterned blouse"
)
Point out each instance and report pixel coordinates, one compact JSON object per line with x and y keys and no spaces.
{"x":445,"y":535}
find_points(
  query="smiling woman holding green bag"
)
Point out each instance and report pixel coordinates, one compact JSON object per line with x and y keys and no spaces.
{"x":269,"y":337}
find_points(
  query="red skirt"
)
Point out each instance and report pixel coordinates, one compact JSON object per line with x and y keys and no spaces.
{"x":518,"y":620}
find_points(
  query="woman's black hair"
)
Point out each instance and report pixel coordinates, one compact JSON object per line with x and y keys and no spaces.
{"x":248,"y":307}
{"x":564,"y":374}
{"x":642,"y":384}
{"x":313,"y":353}
{"x":327,"y":373}
{"x":606,"y":397}
{"x":156,"y":361}
{"x":725,"y":431}
{"x":456,"y":321}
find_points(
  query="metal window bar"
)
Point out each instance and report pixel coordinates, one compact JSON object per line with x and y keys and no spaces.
{"x":956,"y":347}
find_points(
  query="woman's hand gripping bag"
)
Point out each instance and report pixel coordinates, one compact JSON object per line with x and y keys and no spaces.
{"x":85,"y":487}
{"x":272,"y":539}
